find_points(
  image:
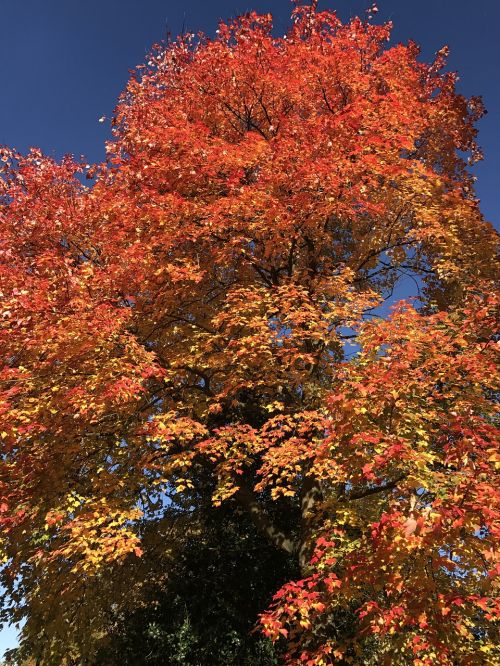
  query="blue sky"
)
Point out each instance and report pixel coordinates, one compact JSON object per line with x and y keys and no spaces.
{"x":63,"y":64}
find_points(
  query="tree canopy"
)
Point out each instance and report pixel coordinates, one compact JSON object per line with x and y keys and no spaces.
{"x":195,"y":353}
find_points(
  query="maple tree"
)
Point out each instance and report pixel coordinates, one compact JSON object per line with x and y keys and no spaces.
{"x":185,"y":317}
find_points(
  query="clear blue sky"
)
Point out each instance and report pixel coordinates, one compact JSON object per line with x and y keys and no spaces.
{"x":63,"y":64}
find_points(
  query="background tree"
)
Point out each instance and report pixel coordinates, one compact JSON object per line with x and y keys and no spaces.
{"x":198,"y":604}
{"x":185,"y":318}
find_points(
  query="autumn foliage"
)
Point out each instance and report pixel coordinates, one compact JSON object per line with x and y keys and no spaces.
{"x":212,"y":302}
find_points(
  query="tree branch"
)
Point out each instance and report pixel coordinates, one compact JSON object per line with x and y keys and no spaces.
{"x":310,"y":494}
{"x":376,"y":489}
{"x":261,"y":520}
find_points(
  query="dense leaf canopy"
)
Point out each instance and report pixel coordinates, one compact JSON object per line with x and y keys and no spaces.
{"x":178,"y":333}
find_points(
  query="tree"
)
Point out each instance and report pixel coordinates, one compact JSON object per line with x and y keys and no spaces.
{"x":198,"y":601}
{"x":186,"y":317}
